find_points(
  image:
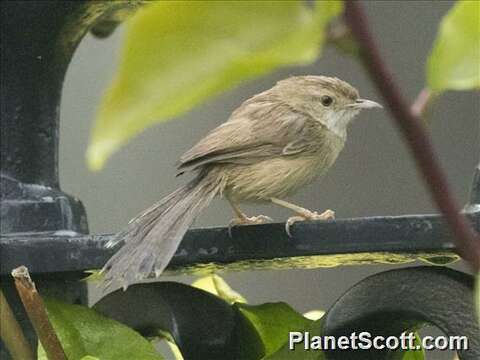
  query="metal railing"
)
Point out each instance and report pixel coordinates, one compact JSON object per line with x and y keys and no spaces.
{"x":46,"y":229}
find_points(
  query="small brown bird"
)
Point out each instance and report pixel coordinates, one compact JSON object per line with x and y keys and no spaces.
{"x":272,"y":145}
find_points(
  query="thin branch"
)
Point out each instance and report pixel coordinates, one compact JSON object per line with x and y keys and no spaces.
{"x":11,"y":333}
{"x":421,"y":105}
{"x":37,"y":314}
{"x":467,"y":240}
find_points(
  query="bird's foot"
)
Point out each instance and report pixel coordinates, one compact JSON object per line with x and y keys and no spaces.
{"x":245,"y":220}
{"x":307,"y":215}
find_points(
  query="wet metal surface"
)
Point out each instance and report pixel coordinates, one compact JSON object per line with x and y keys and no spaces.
{"x":375,"y":240}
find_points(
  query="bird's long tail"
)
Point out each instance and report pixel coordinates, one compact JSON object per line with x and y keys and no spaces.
{"x":151,"y":239}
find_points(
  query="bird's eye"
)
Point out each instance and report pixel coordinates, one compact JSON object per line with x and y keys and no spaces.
{"x":326,"y":100}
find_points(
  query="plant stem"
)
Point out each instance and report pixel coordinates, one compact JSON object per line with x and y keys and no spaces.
{"x":421,"y":105}
{"x":11,"y":333}
{"x":37,"y":314}
{"x":466,"y":239}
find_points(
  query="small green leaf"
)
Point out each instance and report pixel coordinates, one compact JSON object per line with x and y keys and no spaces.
{"x":215,"y":285}
{"x":93,"y":276}
{"x":177,"y":355}
{"x":415,"y":354}
{"x":454,"y":62}
{"x":83,"y":332}
{"x":165,"y":335}
{"x":272,"y":322}
{"x":177,"y":54}
{"x":314,"y":314}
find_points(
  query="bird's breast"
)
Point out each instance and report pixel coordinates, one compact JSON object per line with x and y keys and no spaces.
{"x":279,"y":176}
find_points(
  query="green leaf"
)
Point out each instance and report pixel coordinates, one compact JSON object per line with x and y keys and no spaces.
{"x":93,"y":276}
{"x":177,"y":355}
{"x":177,"y":54}
{"x":272,"y":323}
{"x":454,"y":62}
{"x":215,"y":285}
{"x":415,"y":354}
{"x":314,"y":314}
{"x":299,"y":353}
{"x":83,"y":332}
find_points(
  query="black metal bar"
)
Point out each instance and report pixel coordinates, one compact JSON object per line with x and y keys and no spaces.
{"x":33,"y":66}
{"x":406,"y":299}
{"x":38,"y":39}
{"x":391,"y":240}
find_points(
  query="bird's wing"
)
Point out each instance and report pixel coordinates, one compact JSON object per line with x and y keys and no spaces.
{"x":260,"y":131}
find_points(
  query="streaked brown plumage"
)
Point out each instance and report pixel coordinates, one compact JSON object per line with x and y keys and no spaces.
{"x":273,"y":144}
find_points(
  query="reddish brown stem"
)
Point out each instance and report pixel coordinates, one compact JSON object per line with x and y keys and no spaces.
{"x":421,"y":105}
{"x":467,"y":240}
{"x":11,"y":333}
{"x":37,"y":314}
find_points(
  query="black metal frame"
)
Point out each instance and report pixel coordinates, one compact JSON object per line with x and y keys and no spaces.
{"x":46,"y":229}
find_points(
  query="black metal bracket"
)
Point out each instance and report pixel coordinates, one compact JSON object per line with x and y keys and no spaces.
{"x":38,"y":39}
{"x":35,"y":207}
{"x":416,"y":296}
{"x":171,"y":308}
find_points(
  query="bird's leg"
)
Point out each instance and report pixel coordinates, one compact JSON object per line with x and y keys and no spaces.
{"x":303,"y":214}
{"x":242,"y":219}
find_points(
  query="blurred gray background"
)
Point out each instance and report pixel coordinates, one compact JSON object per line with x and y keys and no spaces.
{"x":373,"y":176}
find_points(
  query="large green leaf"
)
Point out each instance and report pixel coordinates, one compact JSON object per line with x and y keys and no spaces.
{"x":177,"y":54}
{"x":272,"y":323}
{"x":298,"y":352}
{"x":454,"y":62}
{"x":83,"y":332}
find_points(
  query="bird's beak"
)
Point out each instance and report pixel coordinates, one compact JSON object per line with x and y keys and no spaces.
{"x":364,"y":104}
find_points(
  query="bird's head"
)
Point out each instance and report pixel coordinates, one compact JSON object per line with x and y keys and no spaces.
{"x":329,"y":100}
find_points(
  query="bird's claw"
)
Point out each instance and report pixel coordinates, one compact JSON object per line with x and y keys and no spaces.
{"x":308,"y":215}
{"x":253,"y":220}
